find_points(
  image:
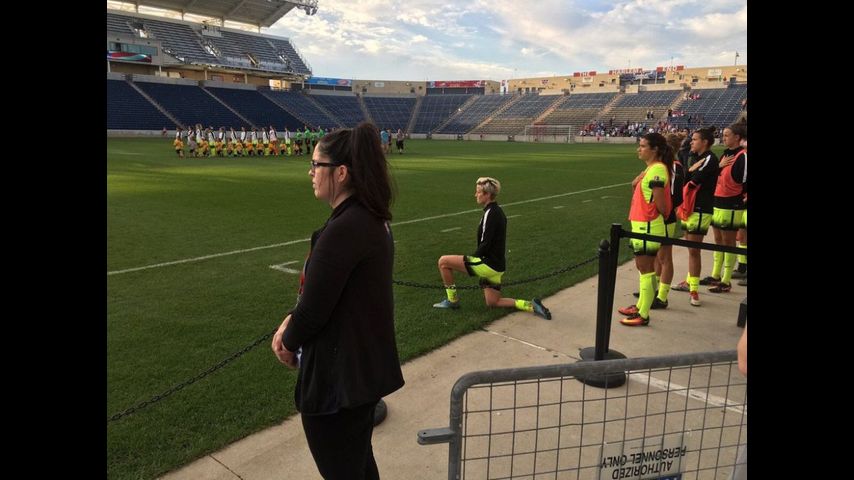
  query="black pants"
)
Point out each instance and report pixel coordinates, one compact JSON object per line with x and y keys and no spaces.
{"x":341,"y":443}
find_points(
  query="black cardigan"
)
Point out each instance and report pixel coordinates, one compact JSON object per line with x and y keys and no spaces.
{"x":344,"y":321}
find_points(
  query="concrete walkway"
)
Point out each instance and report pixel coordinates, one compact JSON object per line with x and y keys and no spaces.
{"x":516,"y":340}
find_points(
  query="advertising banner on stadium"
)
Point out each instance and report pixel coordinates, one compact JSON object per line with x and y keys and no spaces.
{"x":625,"y":71}
{"x":456,"y":84}
{"x":338,"y":82}
{"x":128,"y":56}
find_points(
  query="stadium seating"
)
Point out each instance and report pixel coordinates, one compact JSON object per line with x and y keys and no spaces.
{"x":391,"y":113}
{"x":718,"y":106}
{"x":436,"y":109}
{"x":128,"y":110}
{"x":257,"y":108}
{"x":476,"y":112}
{"x":301,"y":107}
{"x":191,"y":105}
{"x":345,"y":108}
{"x":231,"y":48}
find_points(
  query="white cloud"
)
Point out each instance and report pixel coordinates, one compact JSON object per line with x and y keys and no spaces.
{"x":486,"y":39}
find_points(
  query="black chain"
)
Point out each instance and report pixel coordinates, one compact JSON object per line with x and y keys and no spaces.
{"x":517,"y":282}
{"x":191,"y":381}
{"x":254,"y":344}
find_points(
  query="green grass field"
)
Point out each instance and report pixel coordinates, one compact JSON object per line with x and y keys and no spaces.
{"x":169,"y":323}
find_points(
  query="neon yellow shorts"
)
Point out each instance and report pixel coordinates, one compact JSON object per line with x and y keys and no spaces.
{"x":727,"y":219}
{"x":488,"y":277}
{"x":672,"y":230}
{"x":697,"y":223}
{"x":646,"y":247}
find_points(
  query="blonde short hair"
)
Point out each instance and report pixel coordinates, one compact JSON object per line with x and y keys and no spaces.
{"x":489,"y":185}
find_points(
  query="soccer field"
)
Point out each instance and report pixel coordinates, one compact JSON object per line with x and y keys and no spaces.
{"x":192,"y":246}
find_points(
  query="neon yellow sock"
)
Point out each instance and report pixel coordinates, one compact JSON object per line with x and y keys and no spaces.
{"x":656,"y":281}
{"x":451,"y":291}
{"x":716,"y":267}
{"x":742,"y":258}
{"x":663,"y":291}
{"x":524,"y":305}
{"x":729,"y":261}
{"x":646,"y":294}
{"x":693,"y":283}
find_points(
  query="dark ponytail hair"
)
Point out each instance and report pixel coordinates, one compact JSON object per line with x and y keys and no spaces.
{"x":360,"y":150}
{"x":658,"y":143}
{"x":707,"y":134}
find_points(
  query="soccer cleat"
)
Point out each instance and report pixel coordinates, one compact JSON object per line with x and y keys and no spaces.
{"x":447,"y":304}
{"x":743,"y":283}
{"x":710,"y":281}
{"x":721,"y":288}
{"x":681,"y":287}
{"x":658,"y":303}
{"x":695,"y":298}
{"x":635,"y":320}
{"x":630,"y":310}
{"x":540,"y":310}
{"x":737,"y":274}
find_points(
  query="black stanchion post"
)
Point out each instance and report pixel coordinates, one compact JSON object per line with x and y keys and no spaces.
{"x":608,"y":253}
{"x":614,"y":258}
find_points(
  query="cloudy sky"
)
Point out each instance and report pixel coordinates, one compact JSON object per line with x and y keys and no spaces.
{"x":494,"y":40}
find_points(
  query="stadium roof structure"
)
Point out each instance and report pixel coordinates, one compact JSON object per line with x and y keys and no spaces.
{"x":263,"y":13}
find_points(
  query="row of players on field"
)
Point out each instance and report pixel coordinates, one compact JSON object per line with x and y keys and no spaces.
{"x":205,"y":142}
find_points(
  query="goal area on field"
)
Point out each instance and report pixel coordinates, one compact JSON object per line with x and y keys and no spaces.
{"x":548,"y":133}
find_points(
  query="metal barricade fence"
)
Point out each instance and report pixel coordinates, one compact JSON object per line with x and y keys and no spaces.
{"x":677,"y":417}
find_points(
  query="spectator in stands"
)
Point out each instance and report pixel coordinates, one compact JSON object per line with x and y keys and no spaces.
{"x":341,"y":333}
{"x":399,"y":143}
{"x":488,"y":262}
{"x":651,"y":205}
{"x":729,"y":206}
{"x":697,"y":207}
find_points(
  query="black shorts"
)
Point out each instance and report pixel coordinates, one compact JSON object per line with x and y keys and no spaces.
{"x":400,"y":144}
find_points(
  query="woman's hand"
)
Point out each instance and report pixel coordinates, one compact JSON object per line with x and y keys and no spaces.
{"x":284,"y":355}
{"x":726,"y":160}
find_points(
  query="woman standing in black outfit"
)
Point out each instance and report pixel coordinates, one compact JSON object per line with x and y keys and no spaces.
{"x":344,"y":319}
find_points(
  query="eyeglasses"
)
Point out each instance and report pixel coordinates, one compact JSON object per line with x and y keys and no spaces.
{"x":314,"y":165}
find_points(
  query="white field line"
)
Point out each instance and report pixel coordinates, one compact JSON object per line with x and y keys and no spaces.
{"x":689,"y":392}
{"x":406,"y":222}
{"x":282,"y":268}
{"x":657,"y":383}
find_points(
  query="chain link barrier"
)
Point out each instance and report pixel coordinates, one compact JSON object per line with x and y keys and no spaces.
{"x":504,"y":284}
{"x":191,"y":381}
{"x":239,"y":353}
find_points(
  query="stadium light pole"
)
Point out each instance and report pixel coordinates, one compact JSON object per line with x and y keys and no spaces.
{"x":736,"y":58}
